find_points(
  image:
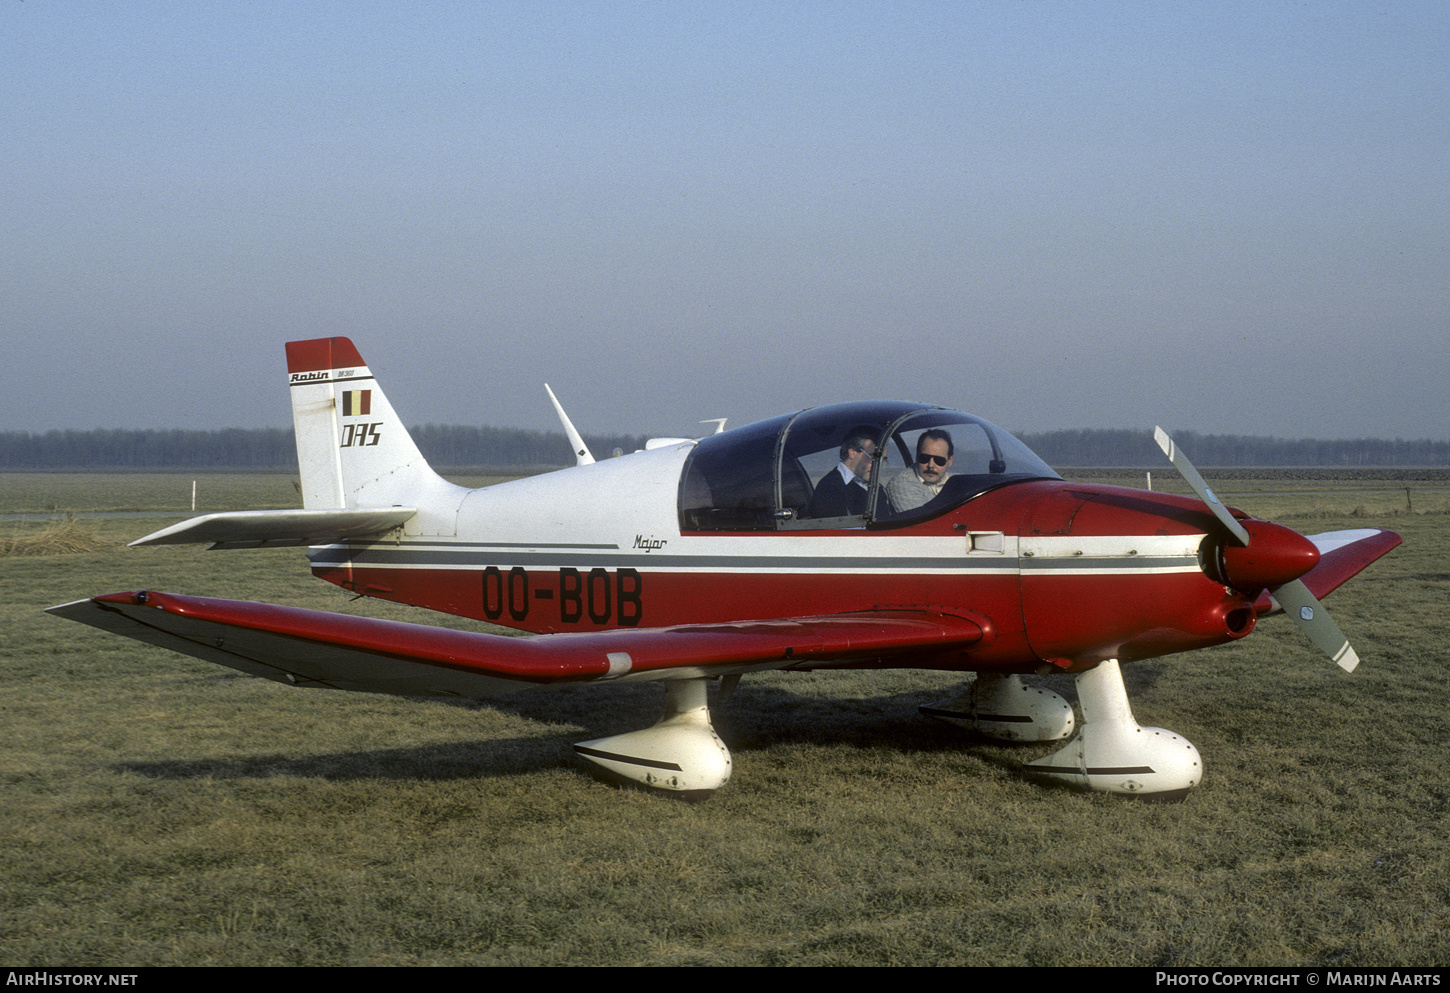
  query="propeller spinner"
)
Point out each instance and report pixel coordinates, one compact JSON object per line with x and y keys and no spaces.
{"x":1260,"y":555}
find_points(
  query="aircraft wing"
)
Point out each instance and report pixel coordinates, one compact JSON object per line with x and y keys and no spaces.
{"x":269,"y":528}
{"x":1342,"y":555}
{"x":315,"y":648}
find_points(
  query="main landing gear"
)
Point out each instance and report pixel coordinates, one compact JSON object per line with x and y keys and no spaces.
{"x":681,"y":756}
{"x":1002,"y":707}
{"x":1110,"y":753}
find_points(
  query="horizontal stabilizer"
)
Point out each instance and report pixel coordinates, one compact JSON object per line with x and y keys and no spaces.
{"x":315,"y":648}
{"x":268,"y":528}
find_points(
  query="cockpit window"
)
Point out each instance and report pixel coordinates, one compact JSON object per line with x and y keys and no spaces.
{"x":845,"y":466}
{"x":729,"y":483}
{"x":842,"y":450}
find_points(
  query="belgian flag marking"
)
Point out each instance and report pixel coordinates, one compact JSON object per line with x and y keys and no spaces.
{"x":357,"y":403}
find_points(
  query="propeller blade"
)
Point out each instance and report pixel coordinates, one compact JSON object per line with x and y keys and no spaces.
{"x":1301,"y":606}
{"x":1305,"y":610}
{"x":1188,"y":472}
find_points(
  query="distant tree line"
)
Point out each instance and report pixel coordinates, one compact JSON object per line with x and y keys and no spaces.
{"x":105,"y":448}
{"x":455,"y":446}
{"x":445,"y":446}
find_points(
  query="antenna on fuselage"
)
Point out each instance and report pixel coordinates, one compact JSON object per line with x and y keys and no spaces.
{"x":581,"y":450}
{"x":719,"y":423}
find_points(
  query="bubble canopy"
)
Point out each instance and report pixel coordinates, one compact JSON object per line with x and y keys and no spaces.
{"x":773,"y":475}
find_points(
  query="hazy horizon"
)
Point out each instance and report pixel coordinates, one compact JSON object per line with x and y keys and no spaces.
{"x":557,"y":430}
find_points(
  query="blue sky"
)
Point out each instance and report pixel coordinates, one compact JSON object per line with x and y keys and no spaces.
{"x":1223,"y":217}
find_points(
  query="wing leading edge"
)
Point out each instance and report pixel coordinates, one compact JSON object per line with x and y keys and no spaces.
{"x":315,"y":648}
{"x":1342,"y":556}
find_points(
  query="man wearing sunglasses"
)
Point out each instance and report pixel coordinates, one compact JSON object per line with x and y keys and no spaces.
{"x":928,"y":474}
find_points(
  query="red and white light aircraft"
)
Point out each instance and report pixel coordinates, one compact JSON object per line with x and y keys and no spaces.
{"x":697,"y":560}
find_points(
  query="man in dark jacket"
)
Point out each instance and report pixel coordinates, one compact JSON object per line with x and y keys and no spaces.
{"x":842,"y":491}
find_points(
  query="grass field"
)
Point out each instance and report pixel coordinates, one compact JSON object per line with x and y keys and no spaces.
{"x":160,"y":811}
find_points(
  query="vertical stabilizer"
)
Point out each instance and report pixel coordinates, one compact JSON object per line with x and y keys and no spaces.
{"x":352,"y":448}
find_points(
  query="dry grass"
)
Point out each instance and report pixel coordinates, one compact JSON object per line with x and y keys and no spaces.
{"x":66,"y":537}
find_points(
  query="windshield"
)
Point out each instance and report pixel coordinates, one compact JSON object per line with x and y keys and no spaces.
{"x":848,"y":465}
